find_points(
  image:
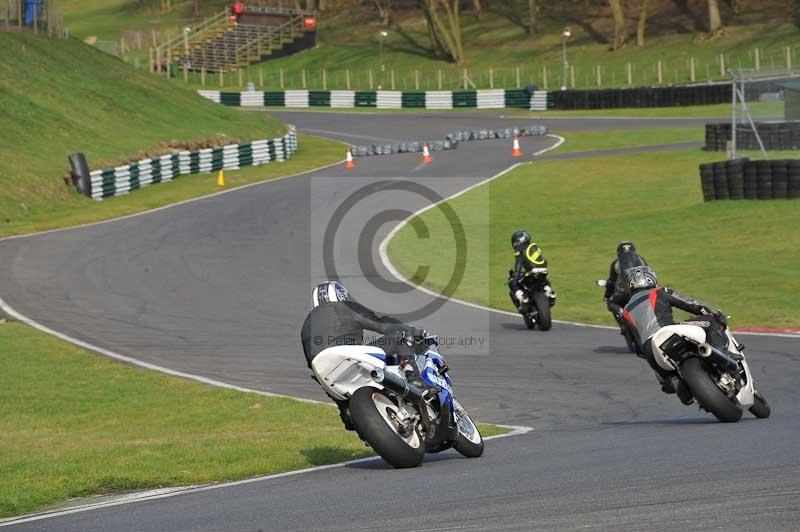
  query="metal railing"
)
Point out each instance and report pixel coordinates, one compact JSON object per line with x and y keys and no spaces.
{"x":180,"y":45}
{"x":263,"y":44}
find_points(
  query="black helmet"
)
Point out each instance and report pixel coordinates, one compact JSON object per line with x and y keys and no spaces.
{"x":641,"y":277}
{"x":520,"y":239}
{"x":625,"y":246}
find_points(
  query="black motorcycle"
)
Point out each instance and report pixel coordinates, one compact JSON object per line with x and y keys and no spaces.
{"x":625,"y":328}
{"x":537,"y":299}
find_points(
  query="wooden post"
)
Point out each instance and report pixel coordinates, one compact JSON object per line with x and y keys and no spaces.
{"x":491,"y":78}
{"x":599,"y":77}
{"x":221,"y":79}
{"x":630,"y":74}
{"x":283,"y":85}
{"x":347,"y":78}
{"x":150,"y":60}
{"x":158,"y":60}
{"x":305,"y":85}
{"x":155,"y":38}
{"x":121,"y":46}
{"x":708,"y":73}
{"x":392,"y":76}
{"x":416,"y":80}
{"x":19,"y":14}
{"x":261,"y":77}
{"x":692,"y":68}
{"x":519,"y":82}
{"x":758,"y":59}
{"x":168,"y":58}
{"x":324,"y":79}
{"x":186,"y":72}
{"x":203,"y":76}
{"x":138,"y":39}
{"x":788,"y":58}
{"x":660,"y":72}
{"x":439,"y":78}
{"x":544,"y":77}
{"x":371,"y":81}
{"x":721,"y":64}
{"x":241,"y":81}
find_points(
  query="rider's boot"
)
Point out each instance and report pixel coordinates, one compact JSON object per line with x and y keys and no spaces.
{"x":550,"y":293}
{"x":521,"y":296}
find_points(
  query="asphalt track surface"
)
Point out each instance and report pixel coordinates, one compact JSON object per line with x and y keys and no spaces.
{"x":219,"y":287}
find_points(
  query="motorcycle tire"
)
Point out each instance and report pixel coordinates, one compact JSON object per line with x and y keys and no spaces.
{"x":542,"y":302}
{"x":760,"y":407}
{"x":372,"y":410}
{"x":707,"y":393}
{"x":469,"y":441}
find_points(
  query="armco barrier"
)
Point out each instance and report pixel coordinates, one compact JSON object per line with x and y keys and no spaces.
{"x":120,"y":180}
{"x":746,"y":179}
{"x":774,"y":136}
{"x":481,"y":99}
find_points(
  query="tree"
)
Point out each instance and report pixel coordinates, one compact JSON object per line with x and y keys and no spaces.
{"x":196,"y":8}
{"x":641,"y":26}
{"x":444,"y":27}
{"x":531,"y":16}
{"x":384,"y":10}
{"x":477,"y":8}
{"x":714,"y":20}
{"x":619,"y":24}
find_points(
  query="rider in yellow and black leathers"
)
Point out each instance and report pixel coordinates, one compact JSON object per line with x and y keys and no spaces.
{"x":529,"y":262}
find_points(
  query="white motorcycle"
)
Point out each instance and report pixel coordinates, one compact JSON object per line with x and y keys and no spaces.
{"x":401,"y":421}
{"x":712,"y":365}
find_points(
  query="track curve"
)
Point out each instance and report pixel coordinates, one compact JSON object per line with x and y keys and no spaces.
{"x":218,"y":288}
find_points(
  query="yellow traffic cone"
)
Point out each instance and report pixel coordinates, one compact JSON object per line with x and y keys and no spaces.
{"x":221,"y":178}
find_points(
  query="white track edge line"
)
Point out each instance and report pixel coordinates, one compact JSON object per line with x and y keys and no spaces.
{"x":382,"y":251}
{"x":164,"y":493}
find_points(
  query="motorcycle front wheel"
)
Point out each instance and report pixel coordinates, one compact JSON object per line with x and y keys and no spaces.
{"x":760,"y":407}
{"x":375,"y":416}
{"x":469,"y":441}
{"x":707,"y":393}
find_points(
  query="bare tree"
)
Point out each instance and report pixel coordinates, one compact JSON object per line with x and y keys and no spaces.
{"x":714,"y":20}
{"x":196,"y":8}
{"x":477,"y":8}
{"x":531,"y":16}
{"x":642,"y":25}
{"x":444,"y":27}
{"x":384,"y":10}
{"x":619,"y":24}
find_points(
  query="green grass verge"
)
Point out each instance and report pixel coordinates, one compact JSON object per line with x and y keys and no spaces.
{"x":626,"y":138}
{"x":97,"y":104}
{"x":75,"y":424}
{"x":578,"y":210}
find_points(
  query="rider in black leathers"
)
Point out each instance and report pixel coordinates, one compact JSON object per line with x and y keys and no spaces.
{"x":650,"y":309}
{"x":338,"y":320}
{"x":617,"y":294}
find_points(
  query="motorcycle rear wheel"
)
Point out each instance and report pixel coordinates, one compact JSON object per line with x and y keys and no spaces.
{"x":373,"y":411}
{"x":760,"y":407}
{"x":542,"y":302}
{"x":707,"y":393}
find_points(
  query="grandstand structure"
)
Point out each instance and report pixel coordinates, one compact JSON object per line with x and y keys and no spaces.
{"x":219,"y":44}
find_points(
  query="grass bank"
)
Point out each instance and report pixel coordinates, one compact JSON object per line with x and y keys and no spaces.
{"x":61,"y":96}
{"x":74,"y":424}
{"x":578,"y":210}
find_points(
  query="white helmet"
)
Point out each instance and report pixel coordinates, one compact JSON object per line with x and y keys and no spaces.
{"x":328,"y":292}
{"x":641,"y":277}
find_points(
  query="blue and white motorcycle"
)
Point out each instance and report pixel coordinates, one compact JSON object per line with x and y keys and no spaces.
{"x":400,"y":410}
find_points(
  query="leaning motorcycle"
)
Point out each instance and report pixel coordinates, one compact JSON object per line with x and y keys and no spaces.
{"x":392,"y":410}
{"x":712,"y":366}
{"x":625,"y":328}
{"x":537,"y":300}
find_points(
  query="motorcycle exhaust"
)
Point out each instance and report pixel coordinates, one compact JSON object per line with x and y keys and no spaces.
{"x":398,"y":385}
{"x":709,"y":351}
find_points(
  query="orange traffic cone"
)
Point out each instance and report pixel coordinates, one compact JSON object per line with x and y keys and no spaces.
{"x":516,"y":152}
{"x":426,"y":155}
{"x":349,"y":164}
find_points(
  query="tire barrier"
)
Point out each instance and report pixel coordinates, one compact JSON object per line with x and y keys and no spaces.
{"x":442,"y":100}
{"x":450,"y":142}
{"x":746,"y":179}
{"x":774,"y":135}
{"x":109,"y":182}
